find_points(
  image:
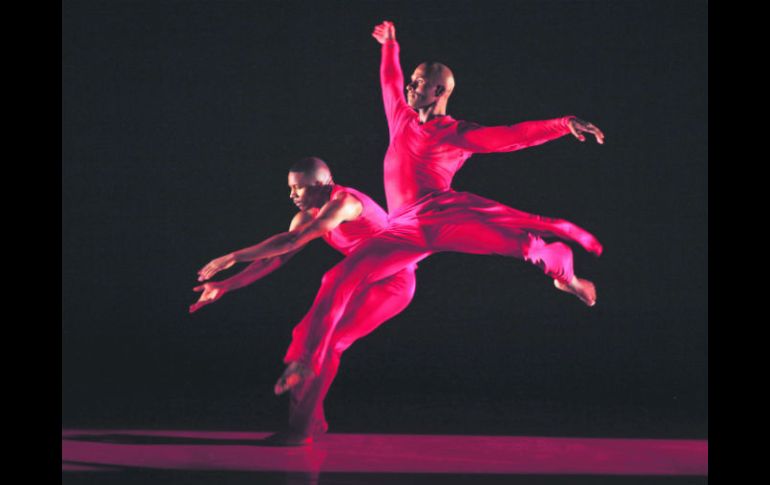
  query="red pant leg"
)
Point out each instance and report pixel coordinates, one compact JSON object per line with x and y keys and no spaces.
{"x":376,"y":259}
{"x":478,"y":237}
{"x":369,"y":307}
{"x":453,"y":214}
{"x":467,"y":223}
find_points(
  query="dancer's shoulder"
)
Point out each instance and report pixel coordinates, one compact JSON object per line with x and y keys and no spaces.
{"x":349,"y":197}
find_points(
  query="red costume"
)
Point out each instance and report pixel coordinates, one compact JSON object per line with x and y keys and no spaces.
{"x":427,"y":216}
{"x":370,"y":306}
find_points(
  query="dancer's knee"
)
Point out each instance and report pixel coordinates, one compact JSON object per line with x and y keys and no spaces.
{"x":341,"y":274}
{"x":339,"y":347}
{"x":350,"y":272}
{"x":332,"y":276}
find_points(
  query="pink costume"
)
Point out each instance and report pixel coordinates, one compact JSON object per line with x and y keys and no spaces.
{"x":370,"y":306}
{"x":427,"y":216}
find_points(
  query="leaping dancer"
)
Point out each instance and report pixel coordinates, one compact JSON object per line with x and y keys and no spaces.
{"x":427,"y":147}
{"x":344,"y":218}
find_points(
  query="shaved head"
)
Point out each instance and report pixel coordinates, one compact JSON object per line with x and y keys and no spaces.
{"x":314,"y":169}
{"x":310,"y":183}
{"x":431,"y":85}
{"x":439,"y":75}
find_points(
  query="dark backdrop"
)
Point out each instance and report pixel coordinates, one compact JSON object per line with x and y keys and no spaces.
{"x":180,"y":119}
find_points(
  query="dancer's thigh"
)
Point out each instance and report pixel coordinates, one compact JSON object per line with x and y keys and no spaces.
{"x":378,"y":258}
{"x":372,"y":305}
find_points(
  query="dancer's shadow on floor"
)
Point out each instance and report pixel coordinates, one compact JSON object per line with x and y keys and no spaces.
{"x":143,"y":474}
{"x":138,"y":439}
{"x":95,"y":466}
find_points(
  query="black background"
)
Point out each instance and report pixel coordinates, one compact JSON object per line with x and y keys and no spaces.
{"x":179,"y":122}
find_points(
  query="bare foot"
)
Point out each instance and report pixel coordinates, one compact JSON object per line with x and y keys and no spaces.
{"x":294,"y":374}
{"x":583,"y":289}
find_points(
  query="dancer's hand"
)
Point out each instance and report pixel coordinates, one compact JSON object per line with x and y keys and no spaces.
{"x":215,"y":266}
{"x":384,"y":32}
{"x":578,"y":127}
{"x":211,"y":292}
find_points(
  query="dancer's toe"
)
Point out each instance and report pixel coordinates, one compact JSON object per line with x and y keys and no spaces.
{"x":583,"y":289}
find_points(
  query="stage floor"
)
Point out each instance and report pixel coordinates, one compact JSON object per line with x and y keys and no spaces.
{"x":179,"y":456}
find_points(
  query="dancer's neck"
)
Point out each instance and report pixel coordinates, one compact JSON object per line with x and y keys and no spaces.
{"x":430,"y":112}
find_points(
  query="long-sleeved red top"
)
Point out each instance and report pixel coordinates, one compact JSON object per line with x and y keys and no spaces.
{"x":423,"y":158}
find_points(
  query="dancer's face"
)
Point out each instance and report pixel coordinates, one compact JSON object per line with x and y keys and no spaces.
{"x":305,"y":190}
{"x":427,"y":85}
{"x":420,"y":92}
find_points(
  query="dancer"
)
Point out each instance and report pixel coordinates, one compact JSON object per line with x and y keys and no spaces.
{"x":427,"y":147}
{"x":344,"y":218}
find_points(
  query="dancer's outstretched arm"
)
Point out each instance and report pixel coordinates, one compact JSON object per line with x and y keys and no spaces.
{"x":214,"y":290}
{"x":343,"y":207}
{"x":471,"y":136}
{"x":488,"y":139}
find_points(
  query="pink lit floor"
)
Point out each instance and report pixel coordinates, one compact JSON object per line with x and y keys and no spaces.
{"x":103,"y":451}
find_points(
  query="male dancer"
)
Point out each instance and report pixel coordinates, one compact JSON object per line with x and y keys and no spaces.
{"x":343,"y":217}
{"x":427,"y":147}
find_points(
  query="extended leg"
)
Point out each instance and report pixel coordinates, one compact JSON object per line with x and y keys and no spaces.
{"x":467,"y":223}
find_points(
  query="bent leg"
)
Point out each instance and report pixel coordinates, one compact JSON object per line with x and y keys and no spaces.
{"x":467,"y":223}
{"x":481,"y":237}
{"x":465,"y":209}
{"x":369,"y":307}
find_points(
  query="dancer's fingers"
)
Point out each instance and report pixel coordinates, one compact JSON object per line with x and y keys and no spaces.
{"x":598,"y":133}
{"x":199,"y":304}
{"x":576,"y":133}
{"x":204,"y":301}
{"x":589,"y":128}
{"x":573,"y":130}
{"x":210,"y":270}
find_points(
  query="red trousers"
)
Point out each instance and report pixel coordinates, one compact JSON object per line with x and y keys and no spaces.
{"x":345,"y":308}
{"x":370,"y":306}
